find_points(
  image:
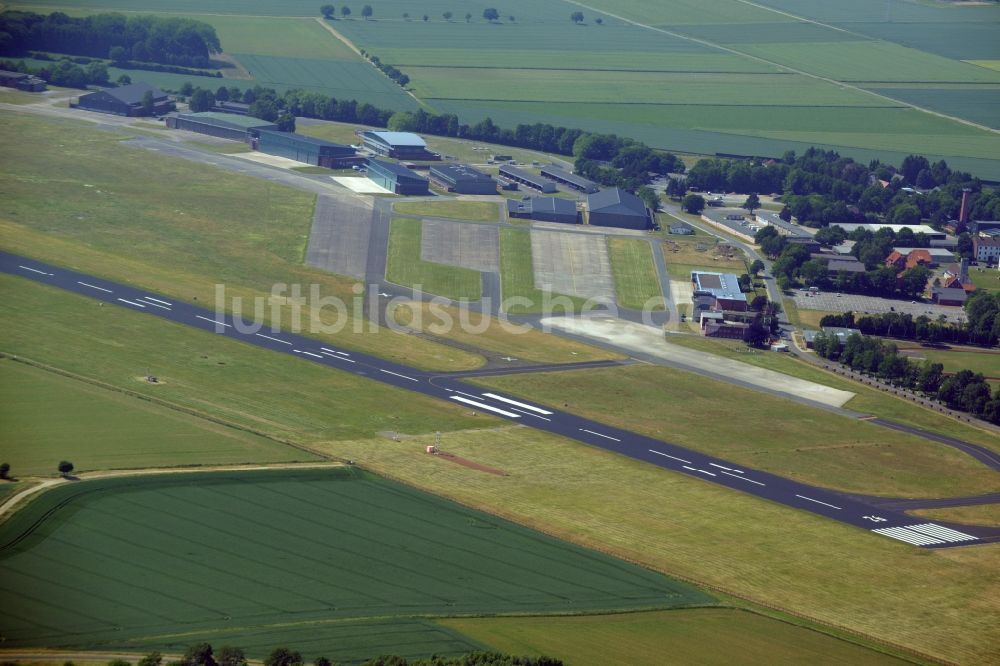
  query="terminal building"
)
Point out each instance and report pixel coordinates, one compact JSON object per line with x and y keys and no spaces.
{"x":617,"y":208}
{"x":462,"y":179}
{"x":399,"y":145}
{"x":527,"y":179}
{"x":126,"y":101}
{"x":570,"y":179}
{"x":396,"y":178}
{"x":302,"y":148}
{"x":722,"y":291}
{"x":544,"y":209}
{"x":222,"y":125}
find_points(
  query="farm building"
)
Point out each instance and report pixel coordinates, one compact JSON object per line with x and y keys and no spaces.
{"x":722,"y":288}
{"x":396,"y":178}
{"x":126,"y":100}
{"x":301,"y":148}
{"x":463,"y":179}
{"x":222,"y":125}
{"x":570,"y":179}
{"x":400,"y":145}
{"x":22,"y":81}
{"x":527,"y":178}
{"x":618,"y":208}
{"x":544,"y":209}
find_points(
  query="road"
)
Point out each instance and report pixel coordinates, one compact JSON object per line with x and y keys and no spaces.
{"x":546,"y":418}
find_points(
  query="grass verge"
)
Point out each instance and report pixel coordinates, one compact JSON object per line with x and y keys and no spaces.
{"x":477,"y":211}
{"x":636,"y":281}
{"x":982,"y":514}
{"x":405,"y":267}
{"x":517,"y":275}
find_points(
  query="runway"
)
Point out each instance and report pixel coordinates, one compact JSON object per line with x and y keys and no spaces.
{"x":852,"y":511}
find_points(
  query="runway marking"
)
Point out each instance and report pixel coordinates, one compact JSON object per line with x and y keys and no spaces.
{"x":707,"y":472}
{"x":337,"y":358}
{"x":728,"y":469}
{"x":743,"y":478}
{"x":486,"y":407}
{"x":667,"y":455}
{"x":150,"y":298}
{"x":613,"y":439}
{"x":217,"y":323}
{"x":468,"y":395}
{"x":334,"y":351}
{"x":261,"y":335}
{"x":157,"y":305}
{"x":909,"y":536}
{"x":941,"y":532}
{"x":389,"y":372}
{"x":693,"y":469}
{"x":138,"y":305}
{"x":818,"y":502}
{"x":520,"y":411}
{"x":299,"y":351}
{"x":518,"y":404}
{"x":34,"y":270}
{"x":94,"y":286}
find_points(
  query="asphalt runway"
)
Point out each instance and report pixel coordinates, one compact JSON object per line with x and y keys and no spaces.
{"x":552,"y":419}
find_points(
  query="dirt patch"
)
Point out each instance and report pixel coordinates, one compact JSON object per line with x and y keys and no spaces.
{"x":465,"y":462}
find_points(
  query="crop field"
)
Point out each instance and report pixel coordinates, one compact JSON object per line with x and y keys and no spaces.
{"x":405,"y":267}
{"x":97,"y":428}
{"x":636,"y":281}
{"x":195,"y":553}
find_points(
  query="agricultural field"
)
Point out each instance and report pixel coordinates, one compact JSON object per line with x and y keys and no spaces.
{"x":195,"y":553}
{"x":636,"y":281}
{"x":405,"y":266}
{"x":98,"y":428}
{"x":477,"y":211}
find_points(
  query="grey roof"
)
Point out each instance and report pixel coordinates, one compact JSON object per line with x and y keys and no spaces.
{"x":134,"y":92}
{"x":460,"y":172}
{"x":617,"y":201}
{"x":393,"y":168}
{"x":719,"y":285}
{"x":4,"y":74}
{"x":560,"y":174}
{"x":226,"y":119}
{"x":949,"y":293}
{"x":543,"y":204}
{"x":399,"y":138}
{"x":935,"y":252}
{"x":528,"y":177}
{"x":845,"y":265}
{"x":302,"y":138}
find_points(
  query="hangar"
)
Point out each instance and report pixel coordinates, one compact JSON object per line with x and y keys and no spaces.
{"x":617,"y":208}
{"x":570,"y":179}
{"x":126,"y":100}
{"x":463,"y":179}
{"x":526,"y":178}
{"x":396,"y":178}
{"x":302,"y":148}
{"x":400,"y":145}
{"x":544,"y":209}
{"x":222,"y":125}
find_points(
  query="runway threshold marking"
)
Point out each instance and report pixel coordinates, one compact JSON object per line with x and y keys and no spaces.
{"x":390,"y":372}
{"x":537,"y":416}
{"x":941,"y":532}
{"x":214,"y":321}
{"x":613,"y":439}
{"x":94,"y":286}
{"x":909,"y":536}
{"x":516,"y":403}
{"x":667,"y":455}
{"x":810,"y":499}
{"x":488,"y":408}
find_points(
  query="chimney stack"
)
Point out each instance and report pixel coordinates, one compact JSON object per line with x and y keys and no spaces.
{"x":963,"y":212}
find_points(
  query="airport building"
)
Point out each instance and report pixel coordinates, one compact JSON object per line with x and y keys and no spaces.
{"x":222,"y":125}
{"x":126,"y":101}
{"x":572,"y":180}
{"x":722,"y":288}
{"x":462,"y":179}
{"x":617,"y":208}
{"x":399,"y":145}
{"x":544,"y":209}
{"x":527,"y":179}
{"x":396,"y":178}
{"x":302,"y":148}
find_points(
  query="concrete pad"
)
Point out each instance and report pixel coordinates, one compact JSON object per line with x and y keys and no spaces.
{"x":647,"y":340}
{"x":573,"y":264}
{"x":270,"y":160}
{"x":475,"y":246}
{"x":360,"y":184}
{"x":681,"y":292}
{"x":338,"y":242}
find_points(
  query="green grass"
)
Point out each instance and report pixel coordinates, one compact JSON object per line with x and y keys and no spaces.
{"x":405,"y":267}
{"x":11,"y":96}
{"x":705,"y":636}
{"x":678,"y":271}
{"x":988,"y":279}
{"x":636,"y":280}
{"x":290,"y":38}
{"x":47,"y":417}
{"x":982,"y":514}
{"x":223,"y":148}
{"x":197,"y":553}
{"x":478,"y":211}
{"x":959,"y":358}
{"x":132,"y":213}
{"x":773,"y":434}
{"x":517,"y":274}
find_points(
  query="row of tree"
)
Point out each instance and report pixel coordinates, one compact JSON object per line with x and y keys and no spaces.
{"x":907,"y":327}
{"x":965,"y":390}
{"x":389,"y":70}
{"x":171,"y":41}
{"x":64,"y":73}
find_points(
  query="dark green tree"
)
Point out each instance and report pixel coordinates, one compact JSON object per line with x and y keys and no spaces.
{"x":118,"y":55}
{"x":65,"y":468}
{"x":151,"y":659}
{"x":201,"y":100}
{"x":447,"y":16}
{"x":366,"y":12}
{"x":232,"y":656}
{"x":345,"y":11}
{"x":124,"y":80}
{"x":199,"y":654}
{"x":4,"y":470}
{"x":599,"y":21}
{"x":468,"y":17}
{"x":490,"y":14}
{"x":328,"y":11}
{"x":693,"y":203}
{"x":283,"y":656}
{"x":286,"y":122}
{"x":148,"y":103}
{"x":752,"y":202}
{"x":576,"y":17}
{"x":756,"y":266}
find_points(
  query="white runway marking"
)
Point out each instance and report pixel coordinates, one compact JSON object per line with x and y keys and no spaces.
{"x":613,"y":439}
{"x":307,"y":353}
{"x":217,"y":323}
{"x":667,"y":455}
{"x":743,"y":478}
{"x":334,"y":351}
{"x":818,"y":502}
{"x":467,"y":395}
{"x":150,"y":298}
{"x":388,"y":372}
{"x":518,"y":404}
{"x":337,"y":358}
{"x":261,"y":335}
{"x":521,"y":411}
{"x":728,"y":469}
{"x":94,"y":286}
{"x":486,"y":407}
{"x":909,"y":536}
{"x":941,"y":532}
{"x":34,"y":270}
{"x":138,"y":305}
{"x":157,"y":305}
{"x":703,"y":471}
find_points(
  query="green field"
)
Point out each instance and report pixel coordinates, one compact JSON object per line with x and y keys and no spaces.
{"x":479,"y":211}
{"x":814,"y":446}
{"x":981,"y":514}
{"x":636,"y":281}
{"x":985,"y":278}
{"x":517,"y":274}
{"x":97,"y":428}
{"x":193,"y":554}
{"x":709,"y":636}
{"x":405,"y":267}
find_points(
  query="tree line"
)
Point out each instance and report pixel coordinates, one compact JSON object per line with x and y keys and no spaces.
{"x":63,"y":73}
{"x":965,"y":390}
{"x":170,"y":41}
{"x":983,"y":327}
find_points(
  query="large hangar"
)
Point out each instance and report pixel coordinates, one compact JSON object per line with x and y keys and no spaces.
{"x":126,"y":100}
{"x":302,"y":148}
{"x":399,"y":145}
{"x":396,"y":178}
{"x":462,"y":179}
{"x":617,"y":208}
{"x":222,"y":125}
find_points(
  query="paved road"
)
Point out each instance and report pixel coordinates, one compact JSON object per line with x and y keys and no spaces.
{"x":550,"y":419}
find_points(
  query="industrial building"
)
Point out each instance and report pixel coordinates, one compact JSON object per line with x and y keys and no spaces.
{"x":930,"y":232}
{"x":126,"y":101}
{"x":462,"y":179}
{"x":22,"y":81}
{"x":400,"y":145}
{"x":222,"y":125}
{"x":544,"y":209}
{"x":301,"y":148}
{"x":396,"y":178}
{"x":570,"y":179}
{"x":722,"y":288}
{"x":527,"y":178}
{"x":617,"y":208}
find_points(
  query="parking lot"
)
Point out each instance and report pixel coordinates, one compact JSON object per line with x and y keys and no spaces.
{"x":833,"y":302}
